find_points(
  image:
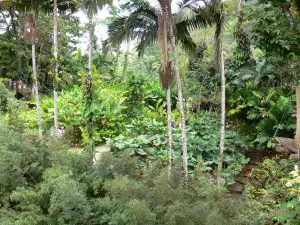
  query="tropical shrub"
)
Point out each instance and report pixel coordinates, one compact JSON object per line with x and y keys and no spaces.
{"x":267,"y":113}
{"x":269,"y":183}
{"x":289,"y":213}
{"x":44,"y":185}
{"x":148,"y":140}
{"x":4,"y":96}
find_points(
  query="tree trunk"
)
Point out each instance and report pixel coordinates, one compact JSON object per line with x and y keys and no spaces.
{"x":56,"y":67}
{"x":181,"y":107}
{"x":36,"y":91}
{"x":20,"y":34}
{"x":297,"y":137}
{"x":219,"y":17}
{"x":90,"y":51}
{"x":223,"y":112}
{"x":89,"y":93}
{"x":239,"y":5}
{"x":169,"y":110}
{"x":286,"y":10}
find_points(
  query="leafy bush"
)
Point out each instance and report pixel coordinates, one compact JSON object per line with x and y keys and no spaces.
{"x":4,"y":96}
{"x":266,"y":113}
{"x":148,"y":140}
{"x":290,"y":210}
{"x":22,"y":163}
{"x":269,"y":181}
{"x":43,"y":185}
{"x":135,"y":91}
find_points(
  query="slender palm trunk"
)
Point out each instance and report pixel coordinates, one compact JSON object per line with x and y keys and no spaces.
{"x":169,"y":110}
{"x":181,"y":107}
{"x":239,"y":5}
{"x":20,"y":34}
{"x":220,"y":68}
{"x":223,"y":116}
{"x":56,"y":67}
{"x":90,"y":50}
{"x":89,"y":92}
{"x":36,"y":91}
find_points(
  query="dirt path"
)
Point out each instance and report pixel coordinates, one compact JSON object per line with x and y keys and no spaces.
{"x":100,"y":150}
{"x":236,"y":190}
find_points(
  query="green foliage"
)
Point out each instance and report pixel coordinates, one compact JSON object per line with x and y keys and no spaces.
{"x":201,"y":86}
{"x":271,"y":29}
{"x":134,"y":95}
{"x":148,"y":140}
{"x":4,"y":97}
{"x":68,"y":203}
{"x":22,"y":163}
{"x":269,"y":113}
{"x":290,"y":210}
{"x":44,"y":185}
{"x":272,"y":190}
{"x":270,"y":182}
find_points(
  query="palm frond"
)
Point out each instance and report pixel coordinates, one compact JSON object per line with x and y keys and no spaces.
{"x":190,"y":17}
{"x":141,"y":25}
{"x":92,"y":6}
{"x":185,"y":39}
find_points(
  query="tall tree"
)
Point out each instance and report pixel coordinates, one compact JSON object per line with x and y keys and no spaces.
{"x":166,"y":72}
{"x":30,"y":34}
{"x":146,"y":24}
{"x":55,"y":47}
{"x":91,"y":7}
{"x":63,"y":5}
{"x":219,"y":16}
{"x":166,"y":31}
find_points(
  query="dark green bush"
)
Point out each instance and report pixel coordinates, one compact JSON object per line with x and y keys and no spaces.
{"x":43,"y":184}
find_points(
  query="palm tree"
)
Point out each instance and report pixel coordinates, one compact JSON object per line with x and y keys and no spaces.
{"x":166,"y":32}
{"x":219,"y":17}
{"x":91,"y":7}
{"x":63,"y":6}
{"x":214,"y":13}
{"x":147,"y":25}
{"x":55,"y":94}
{"x":29,"y":22}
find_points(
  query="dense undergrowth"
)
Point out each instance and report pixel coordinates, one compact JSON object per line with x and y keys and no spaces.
{"x":52,"y":180}
{"x":43,"y":184}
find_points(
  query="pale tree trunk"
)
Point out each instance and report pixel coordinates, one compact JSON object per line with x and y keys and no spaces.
{"x":20,"y":33}
{"x":297,"y":137}
{"x":90,"y":50}
{"x":239,"y":5}
{"x":89,"y":91}
{"x":56,"y":67}
{"x":169,"y":110}
{"x":223,"y":112}
{"x":296,"y":155}
{"x":181,"y":107}
{"x":220,"y":68}
{"x":36,"y":91}
{"x":286,"y":10}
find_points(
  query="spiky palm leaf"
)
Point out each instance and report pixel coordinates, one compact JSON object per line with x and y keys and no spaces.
{"x":92,"y":6}
{"x":142,"y":25}
{"x":277,"y":122}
